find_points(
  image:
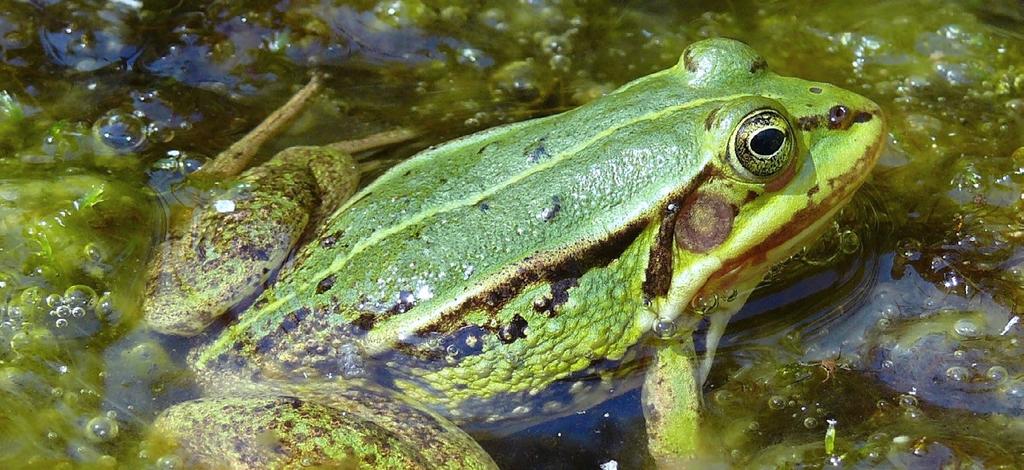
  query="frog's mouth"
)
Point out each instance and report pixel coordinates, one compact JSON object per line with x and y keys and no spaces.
{"x":740,"y":271}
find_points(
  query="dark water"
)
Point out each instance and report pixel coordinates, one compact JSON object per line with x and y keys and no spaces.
{"x":900,"y":326}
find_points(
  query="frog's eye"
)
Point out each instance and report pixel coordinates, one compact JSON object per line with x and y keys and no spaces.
{"x":762,"y":144}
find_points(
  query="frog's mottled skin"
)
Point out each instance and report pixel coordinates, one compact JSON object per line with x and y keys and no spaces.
{"x":223,"y":258}
{"x":484,"y":277}
{"x":349,"y":428}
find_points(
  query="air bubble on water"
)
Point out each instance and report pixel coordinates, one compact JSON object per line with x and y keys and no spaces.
{"x":958,"y":374}
{"x":105,"y":306}
{"x":101,"y":429}
{"x":93,"y":252}
{"x":908,"y":401}
{"x":966,"y":328}
{"x":665,"y":328}
{"x":60,"y":323}
{"x":522,"y":81}
{"x":810,"y":422}
{"x":53,"y":300}
{"x":912,"y":412}
{"x":555,"y":45}
{"x":776,"y":402}
{"x":80,"y":295}
{"x":560,"y":63}
{"x":702,"y":304}
{"x":122,"y":132}
{"x":997,"y":374}
{"x":849,"y":242}
{"x":159,"y":132}
{"x":169,"y":462}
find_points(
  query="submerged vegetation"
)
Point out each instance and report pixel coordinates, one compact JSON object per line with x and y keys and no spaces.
{"x":896,"y":340}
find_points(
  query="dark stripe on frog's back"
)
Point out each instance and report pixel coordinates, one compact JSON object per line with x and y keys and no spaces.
{"x":375,"y":210}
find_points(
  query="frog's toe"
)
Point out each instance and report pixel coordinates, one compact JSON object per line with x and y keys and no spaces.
{"x":286,"y":432}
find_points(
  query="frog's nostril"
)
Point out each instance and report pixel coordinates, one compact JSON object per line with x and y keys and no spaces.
{"x":841,"y":117}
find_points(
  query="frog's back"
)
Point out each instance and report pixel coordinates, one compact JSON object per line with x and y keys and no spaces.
{"x":445,"y":239}
{"x":450,"y":222}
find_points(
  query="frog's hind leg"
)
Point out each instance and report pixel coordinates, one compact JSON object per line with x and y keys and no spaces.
{"x":354,"y":429}
{"x":239,"y":236}
{"x":338,"y":173}
{"x":375,"y":141}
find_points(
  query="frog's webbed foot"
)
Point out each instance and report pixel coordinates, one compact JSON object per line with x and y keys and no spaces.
{"x":351,"y":429}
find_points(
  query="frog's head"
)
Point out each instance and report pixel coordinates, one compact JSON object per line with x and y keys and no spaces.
{"x":783,"y":155}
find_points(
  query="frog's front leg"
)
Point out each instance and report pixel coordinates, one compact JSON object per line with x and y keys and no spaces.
{"x":672,"y":387}
{"x":240,"y":235}
{"x":671,"y":398}
{"x":350,"y":429}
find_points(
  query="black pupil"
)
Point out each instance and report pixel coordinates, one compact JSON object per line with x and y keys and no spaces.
{"x":767,"y":141}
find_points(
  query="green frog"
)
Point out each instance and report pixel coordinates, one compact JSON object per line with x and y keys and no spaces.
{"x":506,"y":277}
